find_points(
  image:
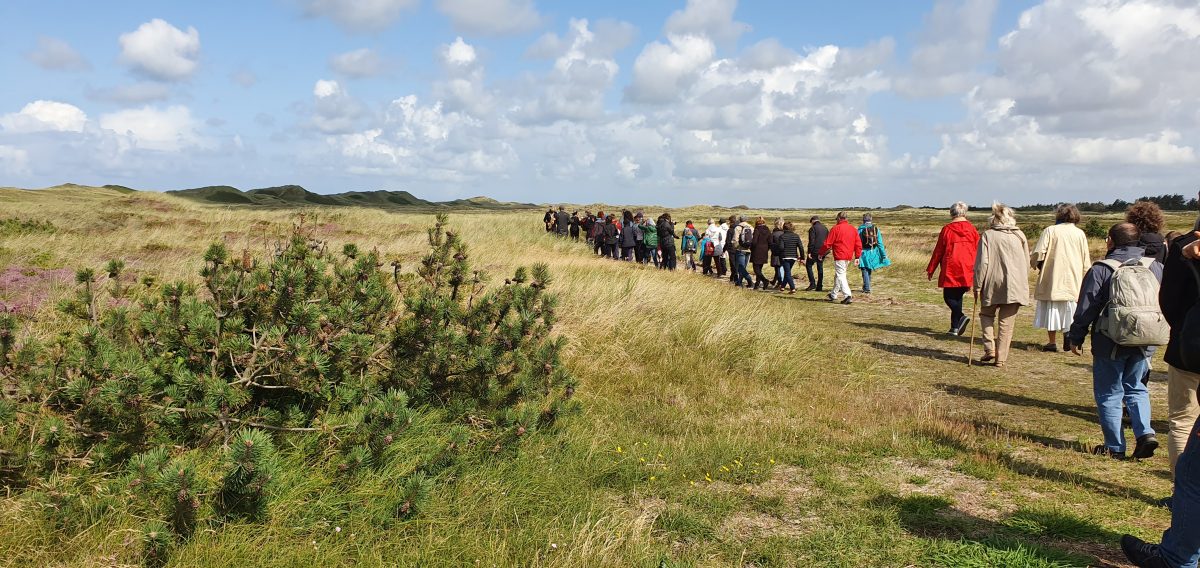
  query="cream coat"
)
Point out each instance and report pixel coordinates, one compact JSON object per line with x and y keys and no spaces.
{"x":1063,"y":250}
{"x":1002,"y":267}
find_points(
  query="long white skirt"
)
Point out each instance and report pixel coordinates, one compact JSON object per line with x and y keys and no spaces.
{"x":1054,"y":316}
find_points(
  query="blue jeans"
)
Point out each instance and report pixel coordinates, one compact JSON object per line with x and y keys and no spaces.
{"x":1181,"y":543}
{"x":866,"y":272}
{"x":1115,"y":381}
{"x":786,"y":266}
{"x":743,"y":275}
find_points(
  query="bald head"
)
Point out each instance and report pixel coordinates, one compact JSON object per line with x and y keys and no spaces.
{"x":1123,"y":234}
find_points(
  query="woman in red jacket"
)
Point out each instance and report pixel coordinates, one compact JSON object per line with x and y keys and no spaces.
{"x":955,"y":253}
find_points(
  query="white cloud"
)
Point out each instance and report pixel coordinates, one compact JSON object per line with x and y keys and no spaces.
{"x":663,"y":70}
{"x":57,"y":55}
{"x":161,"y":51}
{"x":360,"y":15}
{"x":169,"y":129}
{"x":491,"y":17}
{"x":334,"y":110}
{"x":14,"y":161}
{"x":583,"y":72}
{"x":710,"y":18}
{"x":359,"y":63}
{"x":950,"y":47}
{"x":136,"y":93}
{"x":45,"y":116}
{"x":463,"y":87}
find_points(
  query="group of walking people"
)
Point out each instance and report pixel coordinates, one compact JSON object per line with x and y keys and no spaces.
{"x":732,"y":247}
{"x":1144,"y":293}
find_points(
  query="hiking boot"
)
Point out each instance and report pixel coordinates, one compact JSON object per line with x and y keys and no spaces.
{"x":832,"y":297}
{"x":848,"y":300}
{"x":810,"y":288}
{"x":987,"y":359}
{"x":1141,"y":553}
{"x":1146,"y":444}
{"x":1103,"y":451}
{"x":1050,"y":348}
{"x":962,"y":325}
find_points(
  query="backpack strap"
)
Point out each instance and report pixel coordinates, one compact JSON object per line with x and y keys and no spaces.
{"x":1111,"y":263}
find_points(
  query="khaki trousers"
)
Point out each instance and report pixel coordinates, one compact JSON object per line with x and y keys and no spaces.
{"x":999,"y":322}
{"x":1182,"y":410}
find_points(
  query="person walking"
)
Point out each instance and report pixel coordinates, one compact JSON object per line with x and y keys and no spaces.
{"x":1117,"y":369}
{"x":597,"y":233}
{"x":709,"y":250}
{"x":789,"y":251}
{"x":562,"y":221}
{"x":689,"y":245}
{"x":1179,"y":297}
{"x":649,"y":242}
{"x":666,"y":241}
{"x":954,"y":256}
{"x":1061,"y":257}
{"x":720,"y":242}
{"x":731,"y":248}
{"x":874,"y":253}
{"x":1148,"y":217}
{"x":760,"y":252}
{"x":629,"y":238}
{"x":777,"y":255}
{"x":743,"y":244}
{"x":1001,"y":282}
{"x":843,"y":241}
{"x":548,"y":219}
{"x":610,"y":237}
{"x":587,"y":224}
{"x":576,"y":222}
{"x":817,"y":233}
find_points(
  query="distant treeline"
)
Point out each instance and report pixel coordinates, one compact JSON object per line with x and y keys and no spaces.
{"x":1173,"y":202}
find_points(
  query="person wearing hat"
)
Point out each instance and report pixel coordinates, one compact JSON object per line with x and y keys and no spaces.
{"x":817,"y":233}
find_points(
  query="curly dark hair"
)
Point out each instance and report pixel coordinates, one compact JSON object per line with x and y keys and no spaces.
{"x":1146,"y":216}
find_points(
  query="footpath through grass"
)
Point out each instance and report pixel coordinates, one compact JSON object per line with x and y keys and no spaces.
{"x":721,"y":427}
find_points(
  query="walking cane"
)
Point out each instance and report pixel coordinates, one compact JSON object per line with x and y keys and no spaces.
{"x":974,"y":320}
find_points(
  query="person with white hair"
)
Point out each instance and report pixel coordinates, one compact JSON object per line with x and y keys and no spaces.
{"x":1061,"y":257}
{"x":1001,"y":282}
{"x":954,"y":255}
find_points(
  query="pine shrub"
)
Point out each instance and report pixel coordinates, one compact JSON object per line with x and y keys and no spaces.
{"x":176,"y":395}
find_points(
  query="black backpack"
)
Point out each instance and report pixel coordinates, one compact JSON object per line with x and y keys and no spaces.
{"x":746,"y":238}
{"x":1189,"y":336}
{"x":870,"y":237}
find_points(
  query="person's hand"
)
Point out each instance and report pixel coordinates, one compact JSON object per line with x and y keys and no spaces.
{"x":1076,"y":350}
{"x":1192,"y":250}
{"x":930,"y":275}
{"x":857,"y":262}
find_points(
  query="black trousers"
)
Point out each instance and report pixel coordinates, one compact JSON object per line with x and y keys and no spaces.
{"x":954,"y":301}
{"x":707,"y":265}
{"x":668,"y":258}
{"x":721,"y":265}
{"x":759,"y":277}
{"x":819,"y":280}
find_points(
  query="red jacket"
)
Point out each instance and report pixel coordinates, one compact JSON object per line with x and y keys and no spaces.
{"x":843,"y":240}
{"x":955,"y":253}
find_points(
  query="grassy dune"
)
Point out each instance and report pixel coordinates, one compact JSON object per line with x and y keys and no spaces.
{"x":721,"y":427}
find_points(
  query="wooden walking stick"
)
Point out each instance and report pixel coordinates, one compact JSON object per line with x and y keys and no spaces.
{"x":974,"y":320}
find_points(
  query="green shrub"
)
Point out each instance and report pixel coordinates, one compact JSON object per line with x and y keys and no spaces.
{"x":1095,"y":229}
{"x":325,"y":348}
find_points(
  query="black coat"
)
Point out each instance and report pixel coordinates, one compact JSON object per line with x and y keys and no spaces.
{"x":816,"y":237}
{"x":1177,"y":296}
{"x":610,"y":234}
{"x":666,"y":234}
{"x":562,"y":220}
{"x":761,"y":249}
{"x":789,"y":245}
{"x":1155,"y":245}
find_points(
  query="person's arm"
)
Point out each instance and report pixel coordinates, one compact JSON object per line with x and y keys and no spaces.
{"x":1087,"y":309}
{"x":1038,"y":257}
{"x":825,"y":246}
{"x":981,"y":264}
{"x":858,"y":248}
{"x":1192,"y":250}
{"x":1174,"y":292}
{"x":939,"y":252}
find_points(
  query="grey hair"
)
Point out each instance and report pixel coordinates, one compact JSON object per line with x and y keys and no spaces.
{"x":842,"y":215}
{"x":867,"y":218}
{"x":959,"y":209}
{"x":741,"y":218}
{"x":1002,"y":215}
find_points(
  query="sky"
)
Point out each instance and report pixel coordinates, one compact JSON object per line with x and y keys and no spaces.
{"x":762,"y":103}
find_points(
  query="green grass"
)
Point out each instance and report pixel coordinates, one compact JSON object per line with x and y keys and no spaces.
{"x":754,"y":429}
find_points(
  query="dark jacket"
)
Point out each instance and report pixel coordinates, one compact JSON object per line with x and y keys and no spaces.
{"x":1093,"y":297}
{"x":761,"y":249}
{"x":789,"y":244}
{"x":817,"y":234}
{"x":630,"y":234}
{"x":562,"y":220}
{"x":1155,"y":245}
{"x":666,"y":234}
{"x":610,"y":234}
{"x":1177,"y":296}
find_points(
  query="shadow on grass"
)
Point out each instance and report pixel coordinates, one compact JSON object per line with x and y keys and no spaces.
{"x":905,"y":329}
{"x":1028,"y":537}
{"x":1079,"y":411}
{"x":922,"y":352}
{"x":1039,"y":471}
{"x":1047,"y":441}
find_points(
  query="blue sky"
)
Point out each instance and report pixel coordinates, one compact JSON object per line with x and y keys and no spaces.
{"x":712,"y":101}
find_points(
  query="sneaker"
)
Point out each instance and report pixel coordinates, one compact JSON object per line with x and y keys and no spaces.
{"x":962,"y":325}
{"x":1103,"y":451}
{"x":810,"y":288}
{"x":987,"y":359}
{"x":1141,"y":553}
{"x":848,"y":300}
{"x":832,"y":297}
{"x":1146,"y":444}
{"x":1050,"y":348}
